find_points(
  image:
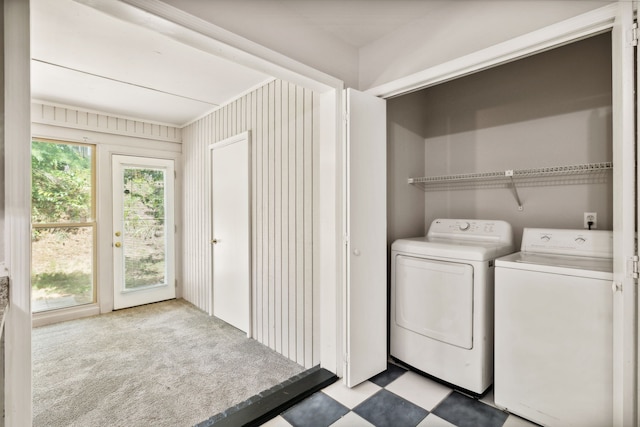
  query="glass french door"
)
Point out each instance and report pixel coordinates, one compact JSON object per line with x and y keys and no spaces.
{"x":143,"y":230}
{"x":63,"y":235}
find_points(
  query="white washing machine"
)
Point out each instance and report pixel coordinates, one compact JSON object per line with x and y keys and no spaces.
{"x":553,"y":328}
{"x":442,"y":300}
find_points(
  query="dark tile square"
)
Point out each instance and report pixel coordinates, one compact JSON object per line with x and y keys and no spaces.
{"x":464,"y":411}
{"x":385,"y":378}
{"x":318,"y":410}
{"x":387,"y":409}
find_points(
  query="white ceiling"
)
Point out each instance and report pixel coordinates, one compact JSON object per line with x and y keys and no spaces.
{"x":86,"y":58}
{"x":354,"y":22}
{"x":360,"y":22}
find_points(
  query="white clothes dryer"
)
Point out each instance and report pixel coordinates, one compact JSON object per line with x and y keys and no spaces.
{"x":441,"y":319}
{"x":554,"y":328}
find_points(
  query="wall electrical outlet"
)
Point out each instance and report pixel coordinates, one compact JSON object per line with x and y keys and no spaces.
{"x":591,"y":216}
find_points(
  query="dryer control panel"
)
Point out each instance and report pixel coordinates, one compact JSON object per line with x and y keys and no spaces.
{"x":471,"y":229}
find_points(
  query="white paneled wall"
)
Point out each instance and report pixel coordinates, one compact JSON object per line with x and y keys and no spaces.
{"x":99,"y":122}
{"x":280,"y":117}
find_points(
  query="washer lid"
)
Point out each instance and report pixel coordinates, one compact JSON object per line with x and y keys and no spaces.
{"x":451,"y":248}
{"x":559,"y":264}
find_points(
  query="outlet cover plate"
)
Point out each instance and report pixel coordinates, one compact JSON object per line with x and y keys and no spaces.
{"x":591,"y":216}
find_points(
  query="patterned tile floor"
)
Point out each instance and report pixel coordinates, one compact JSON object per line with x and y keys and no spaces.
{"x":397,"y":398}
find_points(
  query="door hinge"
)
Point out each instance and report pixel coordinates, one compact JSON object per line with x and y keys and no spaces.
{"x":634,"y":34}
{"x":175,"y":174}
{"x":175,"y":228}
{"x":632,"y":267}
{"x":176,"y":282}
{"x":345,"y":239}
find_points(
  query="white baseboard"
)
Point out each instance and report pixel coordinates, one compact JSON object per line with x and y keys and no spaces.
{"x":64,"y":314}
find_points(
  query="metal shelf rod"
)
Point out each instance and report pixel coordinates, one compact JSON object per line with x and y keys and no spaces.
{"x":509,"y":173}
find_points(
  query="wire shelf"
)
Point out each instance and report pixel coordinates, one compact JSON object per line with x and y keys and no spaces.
{"x":518,"y":173}
{"x":512,"y":176}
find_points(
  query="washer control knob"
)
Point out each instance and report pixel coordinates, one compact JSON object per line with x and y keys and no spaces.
{"x":464,"y":226}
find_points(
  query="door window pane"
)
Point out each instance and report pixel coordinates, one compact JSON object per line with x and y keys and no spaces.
{"x":144,"y":228}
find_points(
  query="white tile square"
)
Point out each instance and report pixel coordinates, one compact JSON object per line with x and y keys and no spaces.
{"x":435,"y":421}
{"x":351,"y":397}
{"x":515,"y":421}
{"x":420,"y":390}
{"x":277,"y":422}
{"x":352,"y":420}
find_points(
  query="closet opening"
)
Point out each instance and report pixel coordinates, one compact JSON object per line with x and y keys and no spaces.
{"x":549,"y":110}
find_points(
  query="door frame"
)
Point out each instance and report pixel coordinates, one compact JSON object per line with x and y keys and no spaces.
{"x":607,"y":18}
{"x":105,"y":216}
{"x":564,"y":32}
{"x":243,"y":136}
{"x":625,"y":334}
{"x":18,"y":403}
{"x":140,"y":297}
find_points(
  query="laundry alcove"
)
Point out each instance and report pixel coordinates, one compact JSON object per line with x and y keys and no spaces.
{"x":545,"y":110}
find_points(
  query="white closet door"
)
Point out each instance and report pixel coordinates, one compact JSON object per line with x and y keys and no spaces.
{"x":366,"y":225}
{"x":231,"y":239}
{"x":625,"y":297}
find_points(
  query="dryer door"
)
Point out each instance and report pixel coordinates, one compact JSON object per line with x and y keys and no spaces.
{"x":435,"y":299}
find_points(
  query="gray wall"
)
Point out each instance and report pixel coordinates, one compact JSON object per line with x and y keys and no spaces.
{"x":549,"y":109}
{"x":405,"y":159}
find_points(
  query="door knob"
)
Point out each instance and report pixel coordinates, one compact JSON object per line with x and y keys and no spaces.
{"x":118,"y":244}
{"x":118,"y":234}
{"x":214,"y":241}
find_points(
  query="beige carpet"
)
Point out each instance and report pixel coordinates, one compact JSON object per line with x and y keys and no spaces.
{"x":164,"y":364}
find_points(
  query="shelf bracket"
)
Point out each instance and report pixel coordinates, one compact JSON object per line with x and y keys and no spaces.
{"x":509,"y":173}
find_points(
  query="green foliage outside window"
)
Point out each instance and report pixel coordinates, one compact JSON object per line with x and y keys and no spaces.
{"x":61,"y":182}
{"x":144,"y":194}
{"x":62,"y":254}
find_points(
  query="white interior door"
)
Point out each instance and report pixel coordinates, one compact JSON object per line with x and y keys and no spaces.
{"x":625,"y":298}
{"x":231,"y":230}
{"x":366,"y":228}
{"x":143,"y":230}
